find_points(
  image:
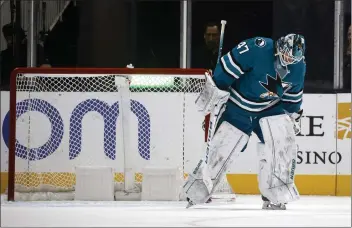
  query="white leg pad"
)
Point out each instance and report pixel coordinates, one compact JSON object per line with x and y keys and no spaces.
{"x":226,"y":144}
{"x":278,"y":158}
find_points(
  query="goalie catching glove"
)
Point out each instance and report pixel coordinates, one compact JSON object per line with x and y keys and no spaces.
{"x":211,"y":97}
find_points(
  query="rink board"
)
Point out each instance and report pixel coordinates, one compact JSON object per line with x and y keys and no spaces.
{"x":324,"y":157}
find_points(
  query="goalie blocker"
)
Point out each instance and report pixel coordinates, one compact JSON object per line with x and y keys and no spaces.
{"x":211,"y":98}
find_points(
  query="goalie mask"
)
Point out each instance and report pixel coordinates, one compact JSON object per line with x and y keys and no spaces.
{"x":290,"y":49}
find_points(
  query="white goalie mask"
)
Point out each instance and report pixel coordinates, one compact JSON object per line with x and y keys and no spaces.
{"x":290,"y":49}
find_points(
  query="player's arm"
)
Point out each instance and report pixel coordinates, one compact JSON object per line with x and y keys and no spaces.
{"x":292,"y":99}
{"x":233,"y":65}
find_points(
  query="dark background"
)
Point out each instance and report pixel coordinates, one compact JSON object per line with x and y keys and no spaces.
{"x":114,"y":33}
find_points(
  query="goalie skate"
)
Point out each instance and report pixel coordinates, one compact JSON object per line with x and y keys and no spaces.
{"x":267,"y":205}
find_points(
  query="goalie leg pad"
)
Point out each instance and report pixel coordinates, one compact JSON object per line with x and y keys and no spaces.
{"x":226,"y":144}
{"x":277,"y":159}
{"x":211,"y":98}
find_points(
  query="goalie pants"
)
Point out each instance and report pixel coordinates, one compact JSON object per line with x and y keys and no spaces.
{"x":248,"y":122}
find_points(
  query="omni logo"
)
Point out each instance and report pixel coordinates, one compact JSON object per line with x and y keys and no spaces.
{"x":110,"y":114}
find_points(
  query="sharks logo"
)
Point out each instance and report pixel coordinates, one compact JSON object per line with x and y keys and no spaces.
{"x":260,"y":42}
{"x":275,"y":86}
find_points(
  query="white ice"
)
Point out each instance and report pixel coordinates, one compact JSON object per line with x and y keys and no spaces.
{"x":246,"y":211}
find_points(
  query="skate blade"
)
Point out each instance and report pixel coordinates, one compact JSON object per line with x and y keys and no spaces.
{"x":222,"y":200}
{"x":274,"y":207}
{"x":190,"y":204}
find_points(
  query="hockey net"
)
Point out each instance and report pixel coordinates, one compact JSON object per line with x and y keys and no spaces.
{"x":64,"y":118}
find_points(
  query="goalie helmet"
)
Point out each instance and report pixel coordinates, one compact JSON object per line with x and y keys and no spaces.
{"x":290,"y":49}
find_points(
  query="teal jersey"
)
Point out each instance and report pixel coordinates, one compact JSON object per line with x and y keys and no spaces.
{"x":256,"y":81}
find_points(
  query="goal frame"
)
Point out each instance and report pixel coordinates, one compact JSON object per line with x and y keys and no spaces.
{"x":74,"y":72}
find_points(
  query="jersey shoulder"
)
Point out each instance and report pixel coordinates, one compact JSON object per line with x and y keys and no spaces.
{"x":260,"y":44}
{"x":258,"y":47}
{"x":251,"y":53}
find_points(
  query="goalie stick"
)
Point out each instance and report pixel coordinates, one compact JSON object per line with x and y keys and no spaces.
{"x":223,"y":23}
{"x":213,"y":119}
{"x":215,"y":116}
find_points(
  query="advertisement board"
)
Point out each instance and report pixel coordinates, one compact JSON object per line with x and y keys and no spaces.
{"x":85,"y":129}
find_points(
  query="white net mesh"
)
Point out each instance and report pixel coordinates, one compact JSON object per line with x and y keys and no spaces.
{"x":68,"y":120}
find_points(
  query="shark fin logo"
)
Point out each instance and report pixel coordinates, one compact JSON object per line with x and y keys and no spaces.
{"x":273,"y":86}
{"x":344,"y":121}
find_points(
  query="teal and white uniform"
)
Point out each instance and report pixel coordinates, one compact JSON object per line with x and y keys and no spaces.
{"x":259,"y":85}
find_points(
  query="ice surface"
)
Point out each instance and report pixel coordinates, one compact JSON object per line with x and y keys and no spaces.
{"x":246,"y":211}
